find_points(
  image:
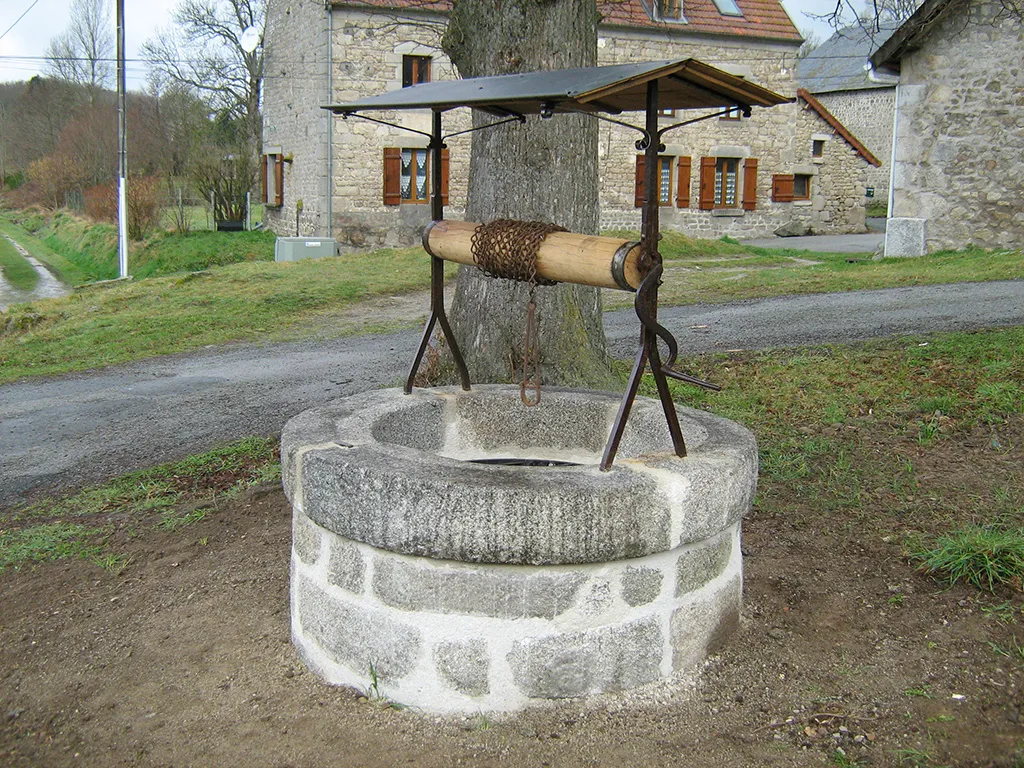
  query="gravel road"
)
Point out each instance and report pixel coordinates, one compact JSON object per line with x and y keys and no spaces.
{"x":75,"y":430}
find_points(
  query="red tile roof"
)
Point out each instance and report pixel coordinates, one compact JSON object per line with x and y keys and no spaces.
{"x":765,"y":19}
{"x":761,"y":18}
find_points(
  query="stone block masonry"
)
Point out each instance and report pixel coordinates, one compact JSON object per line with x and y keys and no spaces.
{"x":454,"y":637}
{"x":460,"y":587}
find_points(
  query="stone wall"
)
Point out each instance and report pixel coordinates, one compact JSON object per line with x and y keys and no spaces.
{"x":958,"y":165}
{"x":295,"y":85}
{"x":779,"y":138}
{"x":452,"y":585}
{"x":868,"y":114}
{"x":368,"y":51}
{"x":367,"y":55}
{"x":836,"y":204}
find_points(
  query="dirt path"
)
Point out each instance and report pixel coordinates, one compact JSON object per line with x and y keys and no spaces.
{"x":48,"y":287}
{"x":183,"y":659}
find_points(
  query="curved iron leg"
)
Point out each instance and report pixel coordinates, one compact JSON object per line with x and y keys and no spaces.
{"x":437,"y":314}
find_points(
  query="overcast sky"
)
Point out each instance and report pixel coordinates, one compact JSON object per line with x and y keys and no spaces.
{"x":23,"y":47}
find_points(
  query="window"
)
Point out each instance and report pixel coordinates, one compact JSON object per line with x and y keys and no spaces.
{"x":666,"y":113}
{"x":413,"y":175}
{"x":415,"y":70}
{"x":407,"y":176}
{"x":728,"y":7}
{"x":671,"y":10}
{"x":673,"y":174}
{"x":727,"y":183}
{"x":801,"y":187}
{"x":817,"y":148}
{"x":734,"y":113}
{"x":272,"y":179}
{"x":727,"y":176}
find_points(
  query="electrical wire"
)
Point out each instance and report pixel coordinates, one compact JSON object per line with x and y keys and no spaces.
{"x":34,"y":3}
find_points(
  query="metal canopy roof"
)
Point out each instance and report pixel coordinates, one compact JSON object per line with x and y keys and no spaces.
{"x":682,"y":84}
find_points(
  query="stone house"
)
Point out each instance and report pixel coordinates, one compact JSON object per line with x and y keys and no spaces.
{"x":958,"y":177}
{"x":835,"y":73}
{"x":364,"y":183}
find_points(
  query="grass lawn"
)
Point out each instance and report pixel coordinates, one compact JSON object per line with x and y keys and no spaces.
{"x":113,"y":323}
{"x":701,"y":271}
{"x":15,"y":268}
{"x":214,"y":287}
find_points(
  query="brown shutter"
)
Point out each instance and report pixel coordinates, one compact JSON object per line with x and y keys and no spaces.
{"x":707,"y":183}
{"x":683,"y":182}
{"x":279,"y":180}
{"x":392,"y":176}
{"x":750,"y":184}
{"x":782,"y":188}
{"x":263,"y":180}
{"x":638,"y":190}
{"x":444,"y":176}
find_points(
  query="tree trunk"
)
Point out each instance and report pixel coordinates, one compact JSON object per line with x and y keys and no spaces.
{"x":545,"y":170}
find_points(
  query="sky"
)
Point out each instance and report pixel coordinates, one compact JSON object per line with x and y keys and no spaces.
{"x":22,"y":48}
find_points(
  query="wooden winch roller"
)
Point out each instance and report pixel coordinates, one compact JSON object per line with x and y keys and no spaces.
{"x":563,"y":257}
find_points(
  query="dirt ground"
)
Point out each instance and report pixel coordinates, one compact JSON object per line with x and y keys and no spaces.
{"x":845,"y":656}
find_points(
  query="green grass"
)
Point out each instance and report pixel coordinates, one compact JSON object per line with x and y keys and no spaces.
{"x":171,"y":496}
{"x":776,"y":274}
{"x":116,"y":323}
{"x":16,"y":270}
{"x":67,"y":270}
{"x":983,"y":556}
{"x":167,"y":254}
{"x":40,"y":543}
{"x":715,"y":271}
{"x":237,"y":294}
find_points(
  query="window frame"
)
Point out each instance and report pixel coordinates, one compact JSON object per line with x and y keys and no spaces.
{"x":807,"y":177}
{"x":721,"y":183}
{"x":272,"y":179}
{"x":735,"y":114}
{"x":732,"y":8}
{"x":817,"y":148}
{"x":670,"y":10}
{"x":413,"y":67}
{"x":414,"y":198}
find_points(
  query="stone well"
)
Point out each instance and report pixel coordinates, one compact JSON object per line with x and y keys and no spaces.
{"x":470,"y":586}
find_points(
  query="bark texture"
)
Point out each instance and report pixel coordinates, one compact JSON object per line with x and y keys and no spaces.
{"x":545,"y":170}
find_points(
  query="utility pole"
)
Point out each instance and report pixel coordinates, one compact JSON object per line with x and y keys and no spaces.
{"x":122,"y":150}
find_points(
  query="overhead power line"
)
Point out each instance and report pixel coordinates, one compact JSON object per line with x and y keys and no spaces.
{"x":34,"y":2}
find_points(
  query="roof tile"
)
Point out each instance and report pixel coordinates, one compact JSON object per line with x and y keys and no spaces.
{"x":765,"y":19}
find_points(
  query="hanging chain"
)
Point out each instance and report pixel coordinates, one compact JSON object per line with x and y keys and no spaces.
{"x":531,"y":354}
{"x":507,"y":248}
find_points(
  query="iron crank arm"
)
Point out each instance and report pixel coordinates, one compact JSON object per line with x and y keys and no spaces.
{"x":650,"y":283}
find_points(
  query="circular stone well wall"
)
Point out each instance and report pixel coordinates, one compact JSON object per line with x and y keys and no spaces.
{"x":461,"y":586}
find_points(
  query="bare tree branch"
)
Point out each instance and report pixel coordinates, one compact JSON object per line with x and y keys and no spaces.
{"x":82,"y":53}
{"x":203,"y":51}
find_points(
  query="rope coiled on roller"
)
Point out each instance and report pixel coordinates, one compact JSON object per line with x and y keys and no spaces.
{"x":508,"y":248}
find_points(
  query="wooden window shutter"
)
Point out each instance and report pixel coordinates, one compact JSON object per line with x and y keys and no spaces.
{"x":444,"y":176}
{"x":392,"y":175}
{"x":782,"y":188}
{"x":683,"y":182}
{"x":638,"y":191}
{"x":279,"y":180}
{"x":707,"y":183}
{"x":750,"y":184}
{"x":263,"y":179}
